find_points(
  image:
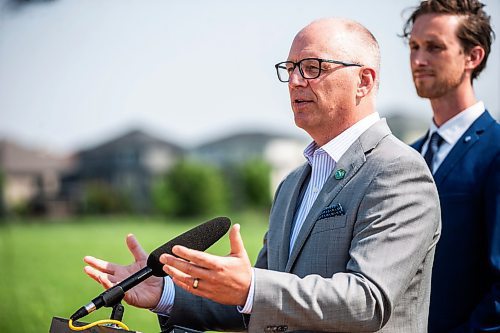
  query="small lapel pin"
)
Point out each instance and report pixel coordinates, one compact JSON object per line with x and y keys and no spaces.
{"x":339,"y":174}
{"x":467,"y":138}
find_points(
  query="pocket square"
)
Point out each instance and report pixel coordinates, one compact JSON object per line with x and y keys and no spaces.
{"x":331,"y":211}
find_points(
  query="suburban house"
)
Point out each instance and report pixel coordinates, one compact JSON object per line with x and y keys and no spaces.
{"x":31,"y":178}
{"x":122,"y":169}
{"x":282,"y":152}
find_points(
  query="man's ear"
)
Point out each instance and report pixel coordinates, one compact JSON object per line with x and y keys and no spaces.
{"x":474,"y":58}
{"x":367,"y":79}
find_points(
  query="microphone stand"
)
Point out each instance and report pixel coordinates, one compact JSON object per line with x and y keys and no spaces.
{"x":117,"y":313}
{"x":114,"y":300}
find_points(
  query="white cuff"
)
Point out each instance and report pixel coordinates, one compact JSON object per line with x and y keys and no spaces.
{"x":247,"y":308}
{"x":166,"y":302}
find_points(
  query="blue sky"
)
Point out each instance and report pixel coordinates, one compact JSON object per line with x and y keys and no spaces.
{"x":74,"y":72}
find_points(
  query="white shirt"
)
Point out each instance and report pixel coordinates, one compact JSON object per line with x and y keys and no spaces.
{"x":451,"y":131}
{"x":322,"y":161}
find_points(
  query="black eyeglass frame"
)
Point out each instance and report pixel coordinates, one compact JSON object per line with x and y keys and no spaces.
{"x":298,"y":64}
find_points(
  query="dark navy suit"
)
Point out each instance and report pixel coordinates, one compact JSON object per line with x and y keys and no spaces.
{"x":465,"y":294}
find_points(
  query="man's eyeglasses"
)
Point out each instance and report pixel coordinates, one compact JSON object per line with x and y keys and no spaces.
{"x":309,"y":68}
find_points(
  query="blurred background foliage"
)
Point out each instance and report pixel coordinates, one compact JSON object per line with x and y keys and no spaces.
{"x":189,"y":188}
{"x":100,"y":198}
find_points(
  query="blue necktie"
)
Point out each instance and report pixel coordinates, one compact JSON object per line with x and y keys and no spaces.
{"x":433,"y":147}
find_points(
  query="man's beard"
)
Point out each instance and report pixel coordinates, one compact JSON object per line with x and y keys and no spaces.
{"x":440,"y":87}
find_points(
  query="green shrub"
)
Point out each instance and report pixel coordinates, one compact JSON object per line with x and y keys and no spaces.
{"x":191,"y":189}
{"x":101,"y":198}
{"x":256,"y":183}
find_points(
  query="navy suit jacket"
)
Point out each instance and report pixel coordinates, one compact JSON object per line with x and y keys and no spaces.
{"x":465,"y":294}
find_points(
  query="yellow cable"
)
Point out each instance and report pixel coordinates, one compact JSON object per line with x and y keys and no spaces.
{"x":99,"y":322}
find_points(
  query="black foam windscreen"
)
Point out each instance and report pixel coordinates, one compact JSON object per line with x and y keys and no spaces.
{"x":199,"y":238}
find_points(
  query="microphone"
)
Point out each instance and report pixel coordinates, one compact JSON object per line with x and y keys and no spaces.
{"x":199,"y":238}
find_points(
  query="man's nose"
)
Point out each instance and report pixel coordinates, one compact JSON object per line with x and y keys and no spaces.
{"x":296,"y":79}
{"x":417,"y":58}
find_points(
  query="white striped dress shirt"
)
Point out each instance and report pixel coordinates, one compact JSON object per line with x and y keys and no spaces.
{"x":322,"y":161}
{"x":322,"y":166}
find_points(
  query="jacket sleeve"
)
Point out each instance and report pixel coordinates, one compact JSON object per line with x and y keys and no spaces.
{"x":202,"y":314}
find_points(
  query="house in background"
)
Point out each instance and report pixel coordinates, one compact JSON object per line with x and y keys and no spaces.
{"x":123,"y":169}
{"x":118,"y":175}
{"x":282,"y":152}
{"x":31,"y":178}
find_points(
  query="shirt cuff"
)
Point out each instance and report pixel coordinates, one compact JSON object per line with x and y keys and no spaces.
{"x":247,"y":308}
{"x":166,"y":302}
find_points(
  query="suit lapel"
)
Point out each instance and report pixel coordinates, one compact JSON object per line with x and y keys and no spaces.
{"x":466,"y":141}
{"x":350,"y":162}
{"x":293,"y":187}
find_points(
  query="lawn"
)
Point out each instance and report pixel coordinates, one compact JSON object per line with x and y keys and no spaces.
{"x":42,"y":268}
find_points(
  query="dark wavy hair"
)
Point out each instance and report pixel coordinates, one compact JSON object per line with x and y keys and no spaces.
{"x":474,"y":27}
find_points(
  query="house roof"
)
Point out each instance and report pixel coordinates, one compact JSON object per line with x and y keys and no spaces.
{"x":20,"y":159}
{"x":256,"y":137}
{"x":134,"y":138}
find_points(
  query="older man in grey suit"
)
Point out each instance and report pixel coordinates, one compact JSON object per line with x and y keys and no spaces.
{"x":352,"y":232}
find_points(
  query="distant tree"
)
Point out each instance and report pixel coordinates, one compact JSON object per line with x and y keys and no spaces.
{"x":164,"y":197}
{"x":101,"y":198}
{"x":255,"y":177}
{"x":191,"y":189}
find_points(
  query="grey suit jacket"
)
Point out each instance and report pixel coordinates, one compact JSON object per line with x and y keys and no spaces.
{"x":362,"y":261}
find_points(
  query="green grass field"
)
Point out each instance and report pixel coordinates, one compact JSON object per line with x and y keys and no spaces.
{"x":42,"y":264}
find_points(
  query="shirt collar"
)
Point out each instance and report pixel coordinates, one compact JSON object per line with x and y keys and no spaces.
{"x":455,"y":127}
{"x":336,"y":147}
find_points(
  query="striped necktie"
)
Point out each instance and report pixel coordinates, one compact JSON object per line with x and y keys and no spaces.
{"x":434,"y":143}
